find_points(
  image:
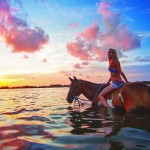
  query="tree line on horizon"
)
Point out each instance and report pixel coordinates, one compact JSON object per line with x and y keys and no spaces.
{"x":52,"y":86}
{"x":28,"y":86}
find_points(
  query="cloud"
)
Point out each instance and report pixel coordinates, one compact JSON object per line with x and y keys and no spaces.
{"x":77,"y":49}
{"x":68,"y":73}
{"x":85,"y":63}
{"x":45,"y":60}
{"x":25,"y":56}
{"x":77,"y":66}
{"x":80,"y":65}
{"x":73,"y":25}
{"x":90,"y":33}
{"x":144,"y":34}
{"x":93,"y":43}
{"x":17,"y":32}
{"x":146,"y":11}
{"x":110,"y":19}
{"x":143,"y":59}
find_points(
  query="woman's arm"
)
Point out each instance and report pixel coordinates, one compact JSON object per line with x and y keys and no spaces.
{"x":124,"y":77}
{"x":118,"y":67}
{"x":108,"y":81}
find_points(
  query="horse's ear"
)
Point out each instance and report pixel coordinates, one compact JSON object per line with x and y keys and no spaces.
{"x":70,"y":79}
{"x":75,"y":78}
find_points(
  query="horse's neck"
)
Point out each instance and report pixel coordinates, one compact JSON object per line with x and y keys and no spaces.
{"x":88,"y":89}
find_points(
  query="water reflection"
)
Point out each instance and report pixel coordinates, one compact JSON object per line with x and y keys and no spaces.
{"x":42,"y":119}
{"x":117,"y":128}
{"x":95,"y":120}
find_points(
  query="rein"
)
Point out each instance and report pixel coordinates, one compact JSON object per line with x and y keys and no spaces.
{"x":97,"y":92}
{"x":76,"y":98}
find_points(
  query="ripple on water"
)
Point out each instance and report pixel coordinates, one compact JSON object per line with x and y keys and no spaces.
{"x":41,"y":119}
{"x":132,"y":138}
{"x":36,"y":118}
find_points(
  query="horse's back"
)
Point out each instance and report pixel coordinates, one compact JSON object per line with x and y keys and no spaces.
{"x":136,"y":86}
{"x":136,"y":96}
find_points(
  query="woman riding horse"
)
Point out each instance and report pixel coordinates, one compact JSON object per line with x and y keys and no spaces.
{"x":115,"y":76}
{"x":133,"y":97}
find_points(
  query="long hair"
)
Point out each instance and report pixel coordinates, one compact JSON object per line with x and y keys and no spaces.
{"x":114,"y":56}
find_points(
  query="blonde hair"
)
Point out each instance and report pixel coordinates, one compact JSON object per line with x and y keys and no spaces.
{"x":114,"y":56}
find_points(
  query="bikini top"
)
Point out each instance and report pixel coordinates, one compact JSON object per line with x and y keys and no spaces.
{"x":112,"y":70}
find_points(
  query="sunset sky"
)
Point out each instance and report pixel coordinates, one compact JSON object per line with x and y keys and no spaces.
{"x":43,"y":42}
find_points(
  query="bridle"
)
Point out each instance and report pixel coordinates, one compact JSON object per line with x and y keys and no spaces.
{"x":76,"y":98}
{"x":76,"y":95}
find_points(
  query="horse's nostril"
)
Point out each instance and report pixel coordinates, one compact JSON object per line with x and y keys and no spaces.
{"x":69,"y":100}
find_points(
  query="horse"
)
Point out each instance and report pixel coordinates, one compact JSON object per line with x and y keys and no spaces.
{"x":132,"y":97}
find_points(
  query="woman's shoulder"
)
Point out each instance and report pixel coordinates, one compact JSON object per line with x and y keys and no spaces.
{"x":114,"y":62}
{"x":115,"y":65}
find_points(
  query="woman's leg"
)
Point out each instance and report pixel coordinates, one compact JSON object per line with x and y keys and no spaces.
{"x":103,"y":93}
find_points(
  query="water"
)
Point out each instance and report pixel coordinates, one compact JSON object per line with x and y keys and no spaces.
{"x":41,"y":119}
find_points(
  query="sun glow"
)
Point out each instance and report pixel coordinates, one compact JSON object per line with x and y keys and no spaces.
{"x":4,"y":81}
{"x":32,"y":79}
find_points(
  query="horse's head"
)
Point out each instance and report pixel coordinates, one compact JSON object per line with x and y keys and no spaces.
{"x":74,"y":89}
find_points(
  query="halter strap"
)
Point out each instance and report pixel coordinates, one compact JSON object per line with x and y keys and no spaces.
{"x":76,"y":98}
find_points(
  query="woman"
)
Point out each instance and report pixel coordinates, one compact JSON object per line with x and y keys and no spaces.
{"x":115,"y":76}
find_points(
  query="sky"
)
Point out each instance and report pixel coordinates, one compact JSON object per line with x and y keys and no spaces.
{"x":43,"y":42}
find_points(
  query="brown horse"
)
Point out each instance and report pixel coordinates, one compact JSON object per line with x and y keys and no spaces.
{"x":132,"y":97}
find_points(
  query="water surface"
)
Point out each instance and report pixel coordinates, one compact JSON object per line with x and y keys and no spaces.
{"x":41,"y":119}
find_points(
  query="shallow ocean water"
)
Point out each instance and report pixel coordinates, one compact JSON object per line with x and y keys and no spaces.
{"x":41,"y":119}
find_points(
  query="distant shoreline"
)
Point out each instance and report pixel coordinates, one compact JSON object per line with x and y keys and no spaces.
{"x":27,"y":86}
{"x":53,"y":86}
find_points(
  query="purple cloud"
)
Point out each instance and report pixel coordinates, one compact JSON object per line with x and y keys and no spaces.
{"x":17,"y":32}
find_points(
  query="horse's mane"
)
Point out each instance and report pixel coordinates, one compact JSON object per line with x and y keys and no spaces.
{"x":89,"y":88}
{"x":90,"y":84}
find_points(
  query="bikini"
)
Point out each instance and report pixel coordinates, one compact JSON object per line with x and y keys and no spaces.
{"x":116,"y":83}
{"x":112,"y":70}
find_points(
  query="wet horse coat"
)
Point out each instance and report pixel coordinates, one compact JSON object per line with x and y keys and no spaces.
{"x":132,"y":97}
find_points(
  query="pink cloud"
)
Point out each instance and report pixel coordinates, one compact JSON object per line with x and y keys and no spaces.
{"x":26,"y":40}
{"x":80,"y":65}
{"x":68,"y":73}
{"x":73,"y":25}
{"x":25,"y":56}
{"x":85,"y":63}
{"x":17,"y":33}
{"x":99,"y":55}
{"x":45,"y":60}
{"x":77,"y":66}
{"x":103,"y":8}
{"x":90,"y":33}
{"x":110,"y":18}
{"x":76,"y":49}
{"x":93,"y":43}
